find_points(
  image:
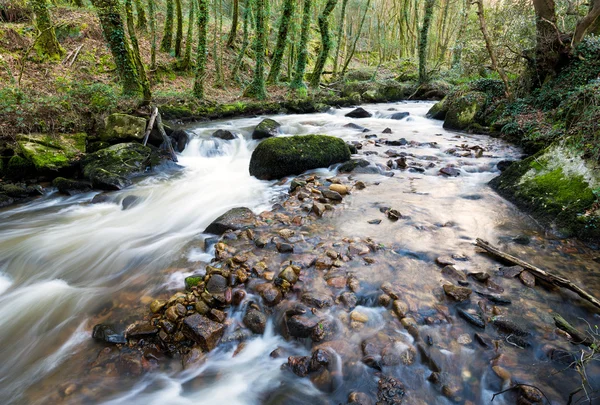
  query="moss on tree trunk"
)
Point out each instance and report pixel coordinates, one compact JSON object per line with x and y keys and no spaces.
{"x":141,"y":15}
{"x":167,"y":40}
{"x":282,"y":40}
{"x":257,"y":88}
{"x":187,"y":56}
{"x":136,"y":54}
{"x":202,"y":22}
{"x":326,"y":43}
{"x":298,"y":81}
{"x":152,"y":34}
{"x":46,"y":44}
{"x":234,"y":24}
{"x":179,"y":32}
{"x":424,"y":40}
{"x":245,"y":41}
{"x":114,"y":32}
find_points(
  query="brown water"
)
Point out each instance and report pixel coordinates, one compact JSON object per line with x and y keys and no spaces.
{"x":66,"y":265}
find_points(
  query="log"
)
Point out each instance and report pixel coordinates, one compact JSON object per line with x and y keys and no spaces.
{"x":578,"y":337}
{"x":150,"y":125}
{"x":165,"y":137}
{"x":539,"y":273}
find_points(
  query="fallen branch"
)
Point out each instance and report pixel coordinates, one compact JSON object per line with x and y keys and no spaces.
{"x":539,"y":273}
{"x":578,"y":337}
{"x":166,"y":139}
{"x":76,"y":55}
{"x":519,"y":386}
{"x":150,"y":125}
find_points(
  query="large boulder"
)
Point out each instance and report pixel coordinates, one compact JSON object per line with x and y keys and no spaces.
{"x":234,"y":219}
{"x":464,"y":111}
{"x":279,"y":157}
{"x":439,"y":110}
{"x":266,"y":129}
{"x":52,"y":152}
{"x":123,"y":127}
{"x":112,"y":168}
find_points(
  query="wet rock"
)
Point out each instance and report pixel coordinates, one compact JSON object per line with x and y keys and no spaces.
{"x":445,"y":261}
{"x":450,"y":171}
{"x":202,"y":330}
{"x":374,"y":221}
{"x":224,"y":134}
{"x":255,"y":320}
{"x":106,"y":333}
{"x":357,"y":127}
{"x":234,"y":219}
{"x":400,"y":115}
{"x":157,"y":305}
{"x":531,"y":394}
{"x":504,"y":164}
{"x":283,"y":247}
{"x":522,"y":240}
{"x":141,"y":331}
{"x":71,"y":187}
{"x":527,"y":278}
{"x":266,"y":129}
{"x":217,"y":284}
{"x":432,"y":358}
{"x":501,"y":372}
{"x":359,"y":317}
{"x":510,"y":272}
{"x":193,"y":359}
{"x":297,"y":183}
{"x":217,"y":315}
{"x":390,"y":391}
{"x":332,"y":195}
{"x":451,"y":272}
{"x":394,"y":215}
{"x":130,"y":362}
{"x":300,"y":326}
{"x":348,"y":300}
{"x":271,"y":295}
{"x":352,"y":165}
{"x":510,"y":325}
{"x":359,"y":113}
{"x":119,"y":127}
{"x":400,"y":308}
{"x":317,"y":300}
{"x":359,"y":398}
{"x":299,"y":365}
{"x":339,"y":188}
{"x":318,"y":209}
{"x":457,"y":293}
{"x":202,"y":307}
{"x":174,"y":312}
{"x":386,"y":131}
{"x":130,"y":201}
{"x":480,"y":276}
{"x":484,"y":340}
{"x":473,"y":319}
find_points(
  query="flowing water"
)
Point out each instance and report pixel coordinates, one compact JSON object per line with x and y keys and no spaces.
{"x":67,"y":264}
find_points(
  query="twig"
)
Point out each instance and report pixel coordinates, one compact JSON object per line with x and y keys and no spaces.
{"x":539,"y":273}
{"x":150,"y":125}
{"x":76,"y":55}
{"x":166,"y":139}
{"x":518,"y":386}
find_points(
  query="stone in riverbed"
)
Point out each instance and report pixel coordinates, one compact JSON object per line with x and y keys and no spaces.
{"x":332,"y":195}
{"x":457,"y":293}
{"x":224,"y":134}
{"x":71,"y":187}
{"x":450,"y":171}
{"x":205,"y":332}
{"x":266,"y":129}
{"x":279,"y":157}
{"x":300,"y":326}
{"x":339,"y":188}
{"x":234,"y":219}
{"x":106,"y":334}
{"x":271,"y":295}
{"x":119,"y":127}
{"x":400,"y":115}
{"x":359,"y":113}
{"x":157,"y":305}
{"x":390,"y":391}
{"x":255,"y":320}
{"x":473,"y":319}
{"x":527,"y":278}
{"x":510,"y":272}
{"x":141,"y":330}
{"x":217,"y":284}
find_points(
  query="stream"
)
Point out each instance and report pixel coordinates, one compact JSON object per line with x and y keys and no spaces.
{"x":67,"y":264}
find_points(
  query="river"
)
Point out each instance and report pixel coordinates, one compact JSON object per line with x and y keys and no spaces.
{"x":67,"y":264}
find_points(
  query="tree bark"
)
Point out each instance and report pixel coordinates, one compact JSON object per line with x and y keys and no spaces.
{"x":179,"y":32}
{"x":548,"y":47}
{"x":187,"y":56}
{"x":584,"y":25}
{"x":47,"y":44}
{"x":136,"y":54}
{"x":152,"y":34}
{"x":339,"y":37}
{"x":282,"y":40}
{"x":257,"y":88}
{"x":356,"y":38}
{"x":202,"y":22}
{"x":141,"y":15}
{"x":167,"y":40}
{"x":424,"y":41}
{"x":326,"y":43}
{"x":234,"y":24}
{"x":298,"y":81}
{"x":245,"y":40}
{"x":114,"y":32}
{"x":460,"y":39}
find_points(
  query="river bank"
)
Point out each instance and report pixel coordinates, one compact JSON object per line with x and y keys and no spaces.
{"x":417,"y":214}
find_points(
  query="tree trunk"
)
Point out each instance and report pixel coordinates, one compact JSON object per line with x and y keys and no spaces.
{"x":187,"y":56}
{"x":216,"y":39}
{"x":257,"y":88}
{"x":112,"y":27}
{"x":548,"y":42}
{"x":152,"y":34}
{"x":201,"y":54}
{"x":167,"y":40}
{"x":78,"y":3}
{"x":46,"y":44}
{"x":326,"y":43}
{"x":282,"y":40}
{"x":234,"y":24}
{"x":136,"y":54}
{"x":179,"y":32}
{"x":356,"y":38}
{"x":339,"y":37}
{"x":298,"y":81}
{"x":424,"y":40}
{"x":245,"y":41}
{"x":460,"y":39}
{"x":141,"y":15}
{"x":586,"y":23}
{"x":490,"y":47}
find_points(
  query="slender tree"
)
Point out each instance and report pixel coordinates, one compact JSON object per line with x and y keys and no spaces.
{"x":460,"y":38}
{"x":356,"y":38}
{"x":179,"y":31}
{"x":424,"y":41}
{"x":152,"y":34}
{"x":282,"y":40}
{"x":136,"y":54}
{"x":245,"y":40}
{"x":586,"y":24}
{"x":234,"y":24}
{"x":339,"y":37}
{"x":167,"y":40}
{"x":46,"y":43}
{"x":141,"y":15}
{"x":109,"y":14}
{"x":298,"y":81}
{"x":326,"y":43}
{"x":216,"y":39}
{"x":202,"y":21}
{"x":257,"y":88}
{"x":187,"y":56}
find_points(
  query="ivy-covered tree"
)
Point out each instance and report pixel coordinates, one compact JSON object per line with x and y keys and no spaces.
{"x":201,"y":56}
{"x":257,"y":87}
{"x":46,"y":42}
{"x":298,"y":81}
{"x":145,"y":84}
{"x":187,"y":56}
{"x":152,"y":34}
{"x":424,"y":40}
{"x":109,"y":14}
{"x":141,"y":15}
{"x":339,"y":36}
{"x":179,"y":31}
{"x":245,"y":40}
{"x":234,"y":24}
{"x":282,"y":40}
{"x":167,"y":40}
{"x":326,"y":43}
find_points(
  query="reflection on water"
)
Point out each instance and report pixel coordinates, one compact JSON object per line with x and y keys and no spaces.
{"x":66,"y":264}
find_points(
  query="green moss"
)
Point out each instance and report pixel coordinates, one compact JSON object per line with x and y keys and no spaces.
{"x":118,"y":127}
{"x":278,"y":157}
{"x":464,"y":111}
{"x":19,"y":167}
{"x":192,"y":281}
{"x":52,"y":152}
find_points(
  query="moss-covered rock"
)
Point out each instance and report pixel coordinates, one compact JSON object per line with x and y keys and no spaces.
{"x":52,"y":152}
{"x":96,"y":146}
{"x":234,"y":219}
{"x":464,"y":111}
{"x":112,"y":168}
{"x":558,"y":187}
{"x":70,"y":186}
{"x":123,"y":127}
{"x":5,"y":200}
{"x":266,"y":129}
{"x":19,"y":167}
{"x":275,"y":158}
{"x":439,"y":110}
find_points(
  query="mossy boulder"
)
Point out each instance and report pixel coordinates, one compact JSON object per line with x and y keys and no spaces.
{"x":112,"y":168}
{"x":439,"y":109}
{"x":266,"y":129}
{"x":19,"y":167}
{"x":275,"y":158}
{"x":70,"y":186}
{"x":52,"y":152}
{"x":464,"y":111}
{"x":123,"y":127}
{"x":558,"y":187}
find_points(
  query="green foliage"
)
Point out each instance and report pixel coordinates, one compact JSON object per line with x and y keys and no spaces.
{"x":494,"y":88}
